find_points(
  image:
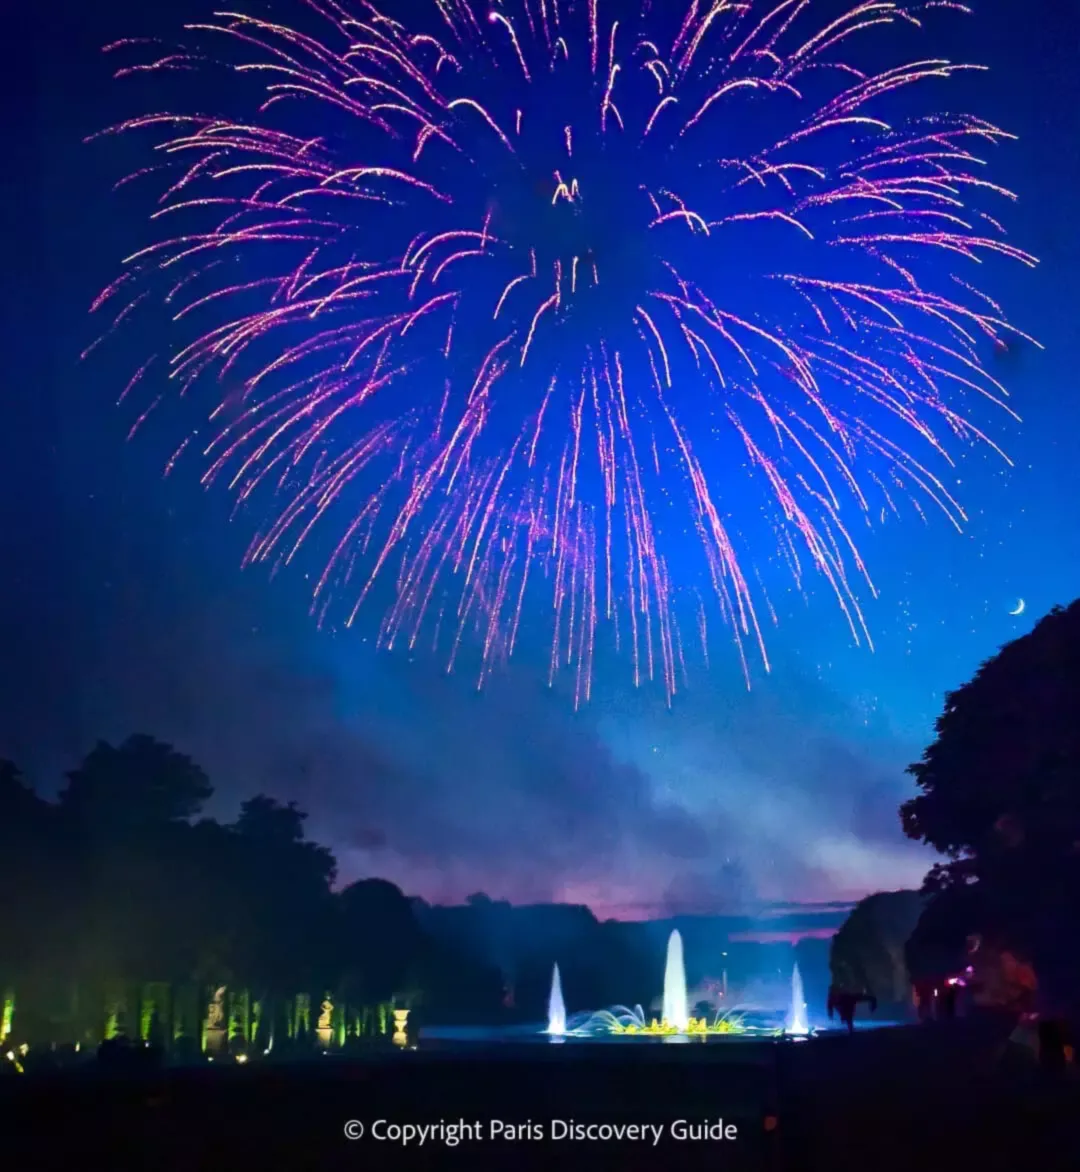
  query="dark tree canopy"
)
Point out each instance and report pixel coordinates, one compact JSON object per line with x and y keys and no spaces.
{"x":141,"y":782}
{"x":867,"y":954}
{"x":1000,"y":796}
{"x":938,"y":946}
{"x":17,"y":799}
{"x":116,"y":882}
{"x":266,"y":820}
{"x":121,"y":882}
{"x":1005,"y":764}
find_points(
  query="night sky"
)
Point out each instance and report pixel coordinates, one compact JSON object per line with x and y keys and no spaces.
{"x":123,"y":607}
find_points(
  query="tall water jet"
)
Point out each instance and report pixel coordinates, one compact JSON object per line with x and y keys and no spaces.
{"x":676,"y":1011}
{"x":556,"y":1006}
{"x":797,"y":1024}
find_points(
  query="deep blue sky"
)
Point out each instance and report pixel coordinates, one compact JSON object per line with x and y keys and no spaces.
{"x":123,"y":608}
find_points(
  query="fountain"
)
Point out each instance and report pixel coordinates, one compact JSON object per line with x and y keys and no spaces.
{"x":797,"y":1024}
{"x":676,"y":1012}
{"x":675,"y":1024}
{"x":556,"y":1007}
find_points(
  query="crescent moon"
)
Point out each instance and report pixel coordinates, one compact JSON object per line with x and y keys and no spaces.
{"x":1021,"y":606}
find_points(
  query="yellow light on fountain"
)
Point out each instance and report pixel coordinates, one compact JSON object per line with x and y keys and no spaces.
{"x":695,"y":1027}
{"x":401,"y":1022}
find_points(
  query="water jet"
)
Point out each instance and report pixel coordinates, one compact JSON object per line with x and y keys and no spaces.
{"x":556,"y":1006}
{"x":676,"y":1012}
{"x":797,"y":1024}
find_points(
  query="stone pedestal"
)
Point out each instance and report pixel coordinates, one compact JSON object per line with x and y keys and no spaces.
{"x":401,"y":1027}
{"x":215,"y":1040}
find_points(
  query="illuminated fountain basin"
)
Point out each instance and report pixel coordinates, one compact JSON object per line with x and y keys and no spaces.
{"x":674,"y":1024}
{"x":624,"y":1023}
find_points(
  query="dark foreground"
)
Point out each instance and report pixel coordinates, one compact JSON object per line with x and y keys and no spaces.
{"x":915,"y":1099}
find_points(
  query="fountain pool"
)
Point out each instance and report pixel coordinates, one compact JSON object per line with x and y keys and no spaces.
{"x":624,"y":1023}
{"x":675,"y":1023}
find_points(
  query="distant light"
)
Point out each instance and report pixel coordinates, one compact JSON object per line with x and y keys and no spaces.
{"x":11,"y":1055}
{"x":241,"y":1058}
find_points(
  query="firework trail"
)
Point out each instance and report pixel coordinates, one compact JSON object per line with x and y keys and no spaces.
{"x":499,"y":297}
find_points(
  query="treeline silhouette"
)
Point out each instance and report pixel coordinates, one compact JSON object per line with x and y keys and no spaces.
{"x":999,"y":798}
{"x":121,"y":901}
{"x":121,"y":881}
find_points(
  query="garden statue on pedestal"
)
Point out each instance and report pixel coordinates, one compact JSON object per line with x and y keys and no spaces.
{"x":324,"y":1030}
{"x":215,"y":1021}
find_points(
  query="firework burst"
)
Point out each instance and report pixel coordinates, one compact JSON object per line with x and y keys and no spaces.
{"x":501,"y":302}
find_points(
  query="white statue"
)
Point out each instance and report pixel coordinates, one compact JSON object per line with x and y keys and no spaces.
{"x":215,"y":1013}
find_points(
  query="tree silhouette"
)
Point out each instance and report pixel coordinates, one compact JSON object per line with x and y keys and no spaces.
{"x":281,"y":890}
{"x":119,"y":885}
{"x":143,"y":782}
{"x":867,"y":954}
{"x":381,"y":936}
{"x":30,"y":889}
{"x":1000,"y":795}
{"x":262,"y":818}
{"x":938,"y":946}
{"x":17,"y":799}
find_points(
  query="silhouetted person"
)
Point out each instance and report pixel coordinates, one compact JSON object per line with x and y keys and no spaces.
{"x":843,"y":1004}
{"x":924,"y":1001}
{"x":115,"y":1052}
{"x":947,"y":1007}
{"x":1052,"y":1043}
